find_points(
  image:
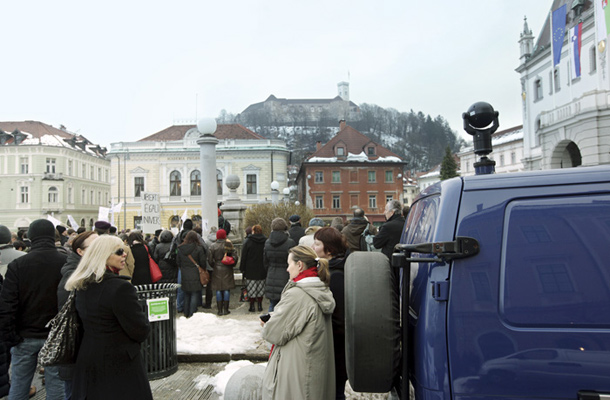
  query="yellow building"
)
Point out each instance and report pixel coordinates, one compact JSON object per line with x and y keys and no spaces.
{"x":167,"y":163}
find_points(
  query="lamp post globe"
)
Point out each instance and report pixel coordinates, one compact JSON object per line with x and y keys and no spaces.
{"x":206,"y":126}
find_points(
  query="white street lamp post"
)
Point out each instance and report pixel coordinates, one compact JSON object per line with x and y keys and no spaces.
{"x":207,"y":162}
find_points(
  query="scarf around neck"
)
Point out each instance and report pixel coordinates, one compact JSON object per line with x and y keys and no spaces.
{"x":308,"y":273}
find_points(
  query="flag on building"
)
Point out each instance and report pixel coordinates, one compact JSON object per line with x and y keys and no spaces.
{"x":602,"y":19}
{"x":558,"y":25}
{"x":576,"y":38}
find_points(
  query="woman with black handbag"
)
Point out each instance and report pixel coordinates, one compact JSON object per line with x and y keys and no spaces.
{"x":109,"y":365}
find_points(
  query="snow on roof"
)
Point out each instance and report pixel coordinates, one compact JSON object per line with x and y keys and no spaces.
{"x":362,"y":157}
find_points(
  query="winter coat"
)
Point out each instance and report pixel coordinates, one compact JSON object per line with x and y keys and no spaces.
{"x":4,"y":363}
{"x":296,"y":231}
{"x":7,"y":254}
{"x":66,"y":371}
{"x":28,"y":300}
{"x":275,"y":258}
{"x":389,"y":234}
{"x":4,"y":382}
{"x":336,"y":267}
{"x":66,"y":271}
{"x":301,"y":365}
{"x":252,"y":257}
{"x":109,"y":365}
{"x":190,"y":272}
{"x":222,"y":277}
{"x":152,"y":245}
{"x":353,"y":233}
{"x":141,"y":270}
{"x":168,"y":269}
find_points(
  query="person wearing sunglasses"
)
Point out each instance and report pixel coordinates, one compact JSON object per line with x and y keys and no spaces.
{"x":78,"y":246}
{"x":109,"y":363}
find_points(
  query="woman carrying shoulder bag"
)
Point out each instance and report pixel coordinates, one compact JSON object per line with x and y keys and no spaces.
{"x":191,"y":286}
{"x":109,"y":365}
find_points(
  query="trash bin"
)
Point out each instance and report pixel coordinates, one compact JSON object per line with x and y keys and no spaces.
{"x":159,"y":352}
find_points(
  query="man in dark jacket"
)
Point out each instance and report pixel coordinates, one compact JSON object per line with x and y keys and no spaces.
{"x":275,"y":258}
{"x":390,"y":232}
{"x":296,"y":231}
{"x":28,"y":301}
{"x":353,"y":231}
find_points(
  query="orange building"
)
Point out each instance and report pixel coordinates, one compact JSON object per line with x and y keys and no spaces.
{"x":350,"y":171}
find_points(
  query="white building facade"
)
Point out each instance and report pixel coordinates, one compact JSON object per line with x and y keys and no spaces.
{"x":507,"y":153}
{"x":50,"y":171}
{"x":566,"y":119}
{"x":168,"y":163}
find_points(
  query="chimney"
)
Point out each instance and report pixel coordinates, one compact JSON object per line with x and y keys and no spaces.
{"x":341,"y":124}
{"x":318,"y":145}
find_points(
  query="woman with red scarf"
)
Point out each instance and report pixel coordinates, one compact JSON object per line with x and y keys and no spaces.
{"x":301,"y":364}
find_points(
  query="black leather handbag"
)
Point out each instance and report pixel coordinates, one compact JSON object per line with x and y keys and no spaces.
{"x":61,"y":346}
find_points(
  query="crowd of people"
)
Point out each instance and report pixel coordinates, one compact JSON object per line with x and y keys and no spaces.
{"x":300,"y":270}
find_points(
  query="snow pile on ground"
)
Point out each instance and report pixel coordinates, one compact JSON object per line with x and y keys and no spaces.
{"x":222,"y":378}
{"x":206,"y":333}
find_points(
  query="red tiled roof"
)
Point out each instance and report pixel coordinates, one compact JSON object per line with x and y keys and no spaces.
{"x":35,"y":128}
{"x":223,"y":131}
{"x":355,"y":143}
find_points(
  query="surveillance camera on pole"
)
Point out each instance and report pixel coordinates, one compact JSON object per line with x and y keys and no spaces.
{"x":481,"y":121}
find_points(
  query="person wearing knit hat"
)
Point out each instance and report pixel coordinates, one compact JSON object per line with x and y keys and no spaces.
{"x":221,"y":234}
{"x":102,"y":227}
{"x":296,"y":231}
{"x":25,"y":309}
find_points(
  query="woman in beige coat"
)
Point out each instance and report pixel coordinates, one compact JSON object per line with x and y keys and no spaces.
{"x":302,"y":364}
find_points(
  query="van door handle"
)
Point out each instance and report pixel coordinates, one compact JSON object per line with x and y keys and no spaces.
{"x":588,"y":395}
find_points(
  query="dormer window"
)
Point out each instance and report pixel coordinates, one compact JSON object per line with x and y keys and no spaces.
{"x":340,"y":151}
{"x":370,"y":151}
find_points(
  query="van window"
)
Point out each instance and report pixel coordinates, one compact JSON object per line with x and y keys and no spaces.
{"x":421,"y":225}
{"x":555,"y":270}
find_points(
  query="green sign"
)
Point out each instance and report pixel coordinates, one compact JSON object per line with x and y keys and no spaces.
{"x":158,"y":309}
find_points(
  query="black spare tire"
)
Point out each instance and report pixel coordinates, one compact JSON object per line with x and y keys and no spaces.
{"x":372,"y":322}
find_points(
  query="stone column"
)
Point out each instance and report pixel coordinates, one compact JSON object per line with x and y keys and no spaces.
{"x":234,"y":211}
{"x":207,"y":161}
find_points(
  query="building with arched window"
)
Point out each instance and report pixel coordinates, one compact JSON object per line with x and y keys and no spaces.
{"x":167,"y":163}
{"x":50,"y":171}
{"x":566,"y":107}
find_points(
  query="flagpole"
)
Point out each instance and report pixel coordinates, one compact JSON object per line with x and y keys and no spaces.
{"x":551,"y":83}
{"x":571,"y":58}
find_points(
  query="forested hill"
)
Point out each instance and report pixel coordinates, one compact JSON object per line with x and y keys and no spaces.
{"x":420,"y":139}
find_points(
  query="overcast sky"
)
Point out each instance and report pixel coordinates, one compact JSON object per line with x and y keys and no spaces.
{"x":122,"y":70}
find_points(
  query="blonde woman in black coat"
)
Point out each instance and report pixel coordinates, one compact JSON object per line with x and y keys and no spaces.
{"x":109,"y":365}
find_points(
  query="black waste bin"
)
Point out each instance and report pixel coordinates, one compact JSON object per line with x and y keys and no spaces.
{"x":159,"y":352}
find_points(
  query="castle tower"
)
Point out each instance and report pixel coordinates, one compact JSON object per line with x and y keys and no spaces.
{"x":343,"y":88}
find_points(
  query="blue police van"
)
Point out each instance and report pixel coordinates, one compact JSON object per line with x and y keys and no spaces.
{"x":500,"y":289}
